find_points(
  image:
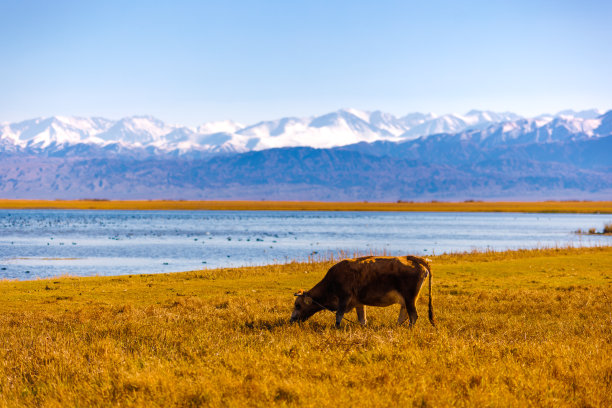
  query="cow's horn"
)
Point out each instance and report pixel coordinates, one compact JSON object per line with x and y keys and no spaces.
{"x":299,"y":292}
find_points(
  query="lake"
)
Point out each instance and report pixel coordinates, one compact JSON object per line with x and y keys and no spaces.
{"x":45,"y":243}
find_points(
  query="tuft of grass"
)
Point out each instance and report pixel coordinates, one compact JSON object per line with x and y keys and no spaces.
{"x":607,"y":230}
{"x":519,"y":328}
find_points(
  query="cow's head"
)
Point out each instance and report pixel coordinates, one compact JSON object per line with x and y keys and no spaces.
{"x":304,"y":307}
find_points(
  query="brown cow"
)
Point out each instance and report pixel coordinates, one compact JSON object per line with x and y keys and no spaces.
{"x":369,"y":280}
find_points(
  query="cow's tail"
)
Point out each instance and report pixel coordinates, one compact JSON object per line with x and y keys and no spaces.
{"x":424,"y":262}
{"x":431,"y":312}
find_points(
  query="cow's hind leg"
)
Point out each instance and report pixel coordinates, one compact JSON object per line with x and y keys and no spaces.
{"x":403,"y":315}
{"x":408,"y":310}
{"x":412,"y":312}
{"x":361,"y":314}
{"x":411,"y":299}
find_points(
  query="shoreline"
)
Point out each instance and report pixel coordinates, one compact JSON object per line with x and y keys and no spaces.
{"x":546,"y":207}
{"x":465,"y":256}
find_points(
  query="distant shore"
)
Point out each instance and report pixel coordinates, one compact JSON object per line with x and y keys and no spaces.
{"x":582,"y":207}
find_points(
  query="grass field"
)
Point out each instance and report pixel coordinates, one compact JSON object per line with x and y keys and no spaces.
{"x":522,"y":328}
{"x":604,"y":207}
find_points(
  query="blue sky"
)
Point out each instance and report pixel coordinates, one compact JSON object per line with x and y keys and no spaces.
{"x":190,"y":62}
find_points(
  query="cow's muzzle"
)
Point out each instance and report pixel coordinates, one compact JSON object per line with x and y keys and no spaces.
{"x":295,"y":317}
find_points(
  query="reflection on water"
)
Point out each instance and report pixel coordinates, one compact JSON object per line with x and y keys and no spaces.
{"x":43,"y":243}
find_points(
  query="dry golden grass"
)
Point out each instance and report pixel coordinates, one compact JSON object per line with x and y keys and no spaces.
{"x":515,"y":329}
{"x":468,"y":206}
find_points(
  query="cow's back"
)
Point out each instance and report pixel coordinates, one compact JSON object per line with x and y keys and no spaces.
{"x":376,"y":273}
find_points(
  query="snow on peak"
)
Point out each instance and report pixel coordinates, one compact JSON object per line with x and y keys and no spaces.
{"x":341,"y":127}
{"x":137,"y":129}
{"x":584,"y":114}
{"x":221,"y":126}
{"x":363,"y":115}
{"x":44,"y":132}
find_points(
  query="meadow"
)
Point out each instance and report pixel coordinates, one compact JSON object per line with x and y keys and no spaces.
{"x":583,"y":207}
{"x":514,"y":329}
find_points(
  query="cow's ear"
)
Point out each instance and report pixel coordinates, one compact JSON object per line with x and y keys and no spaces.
{"x":299,"y":292}
{"x":307,"y":300}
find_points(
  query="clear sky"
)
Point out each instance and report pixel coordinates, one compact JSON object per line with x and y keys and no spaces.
{"x":189,"y":62}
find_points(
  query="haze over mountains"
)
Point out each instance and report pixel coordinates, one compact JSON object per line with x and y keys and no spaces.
{"x":343,"y":155}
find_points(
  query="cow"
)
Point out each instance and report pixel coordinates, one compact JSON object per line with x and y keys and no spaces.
{"x":367,"y":281}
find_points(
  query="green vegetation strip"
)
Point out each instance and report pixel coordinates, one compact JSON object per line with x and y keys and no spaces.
{"x":515,"y":329}
{"x":591,"y":207}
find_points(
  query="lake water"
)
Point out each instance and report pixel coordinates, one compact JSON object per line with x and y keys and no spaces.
{"x":44,"y":243}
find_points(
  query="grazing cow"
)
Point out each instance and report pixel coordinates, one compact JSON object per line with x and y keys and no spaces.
{"x":369,"y":280}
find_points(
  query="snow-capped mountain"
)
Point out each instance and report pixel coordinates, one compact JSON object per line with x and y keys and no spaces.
{"x":42,"y":132}
{"x":141,"y":130}
{"x":138,"y":134}
{"x":358,"y":155}
{"x":527,"y":131}
{"x":146,"y":136}
{"x":333,"y":129}
{"x":585,"y":114}
{"x":452,"y":123}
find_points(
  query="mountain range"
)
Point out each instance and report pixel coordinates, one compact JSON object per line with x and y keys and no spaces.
{"x":146,"y":135}
{"x":343,"y":155}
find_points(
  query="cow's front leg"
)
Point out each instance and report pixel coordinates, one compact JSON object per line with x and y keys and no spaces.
{"x":340,"y":312}
{"x":339,"y":317}
{"x":361,"y":314}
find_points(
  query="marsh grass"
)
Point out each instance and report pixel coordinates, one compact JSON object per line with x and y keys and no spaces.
{"x":467,"y":206}
{"x":521,"y":328}
{"x":606,"y":230}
